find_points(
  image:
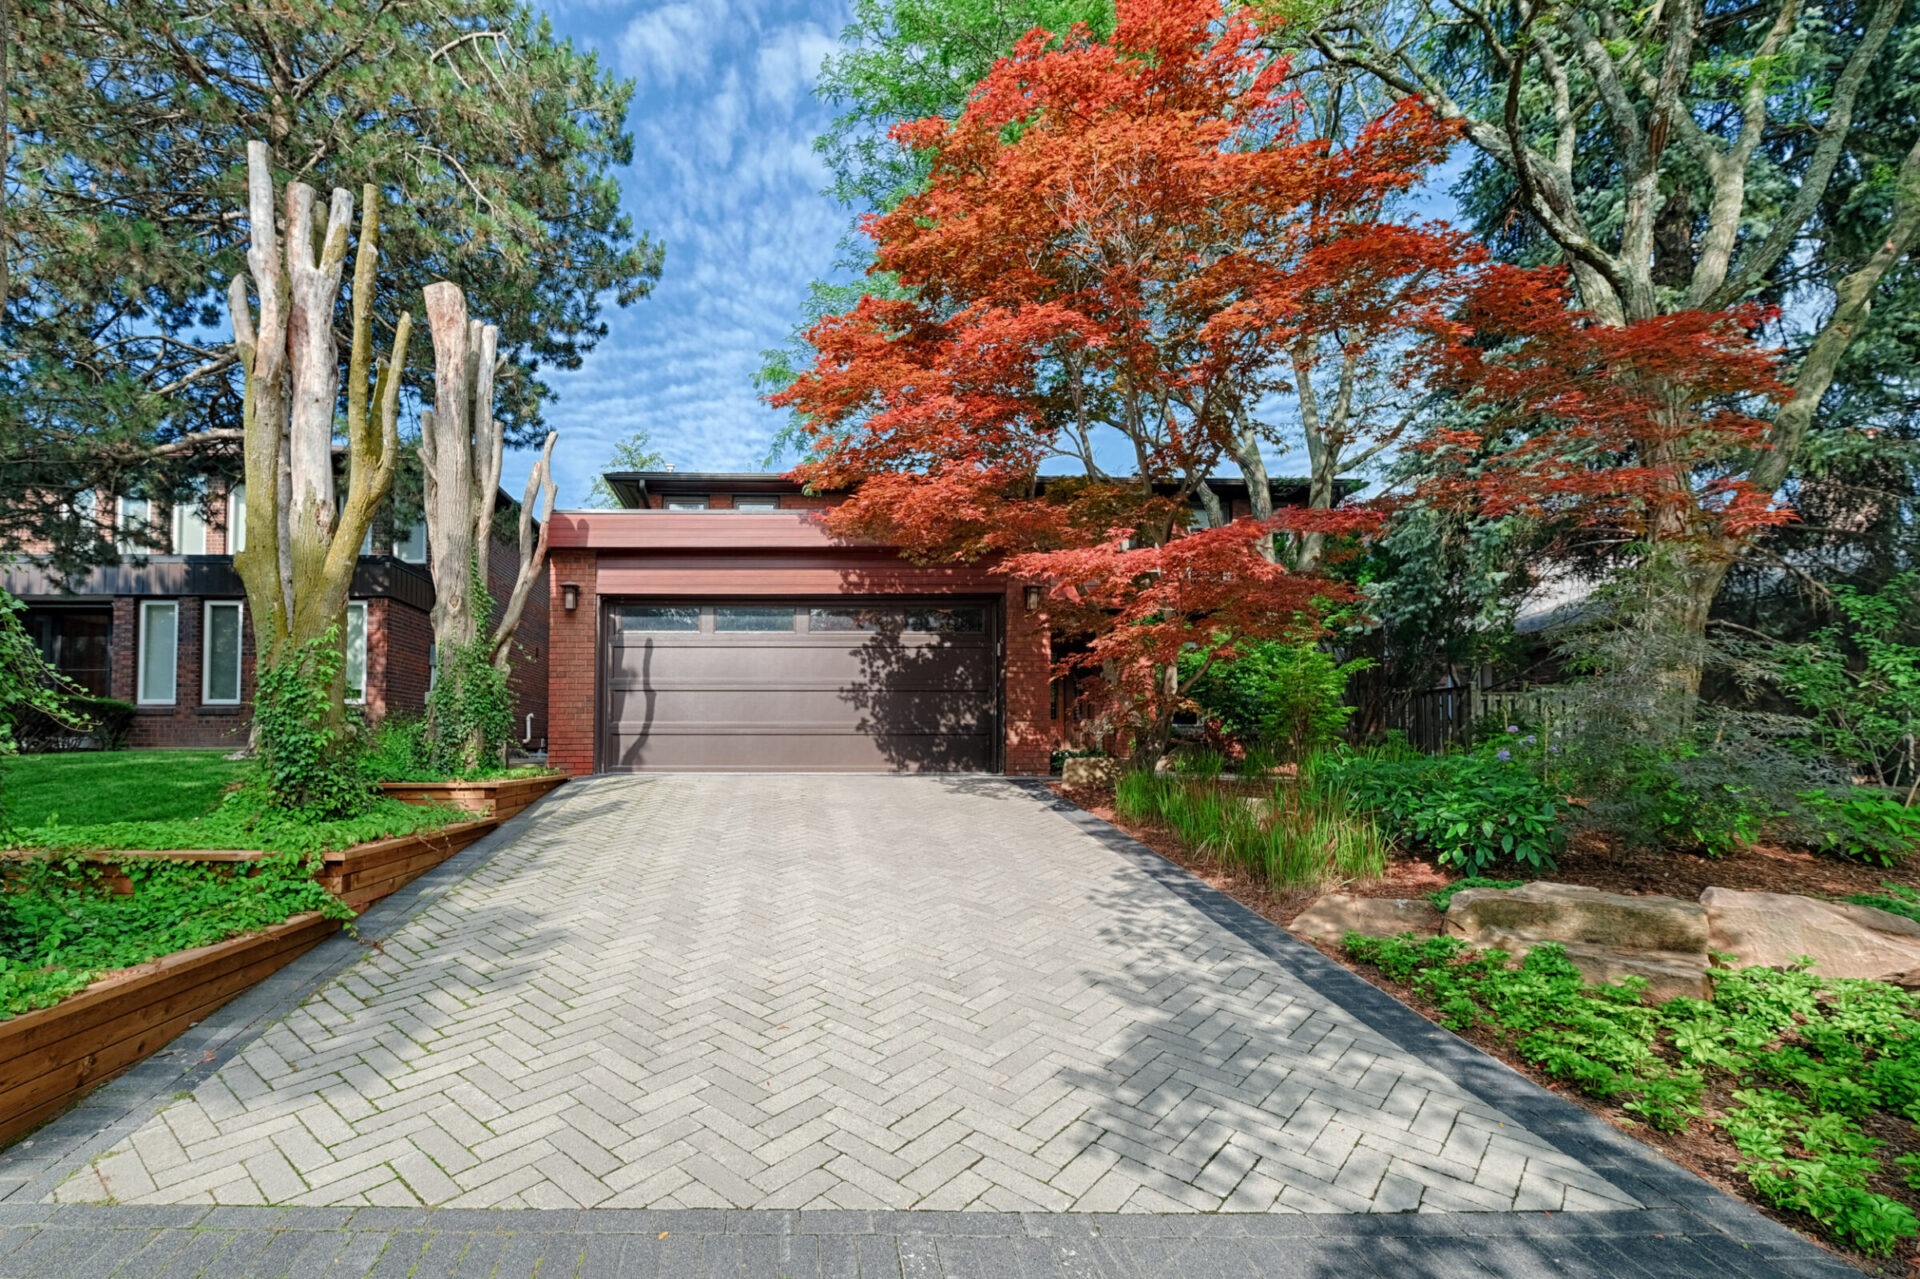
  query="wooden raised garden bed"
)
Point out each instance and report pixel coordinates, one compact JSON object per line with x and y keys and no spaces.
{"x":359,"y":876}
{"x":363,"y":874}
{"x":50,"y":1056}
{"x":500,"y":799}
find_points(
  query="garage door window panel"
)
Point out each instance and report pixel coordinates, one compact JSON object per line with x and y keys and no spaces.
{"x":752,"y":618}
{"x":660,"y":619}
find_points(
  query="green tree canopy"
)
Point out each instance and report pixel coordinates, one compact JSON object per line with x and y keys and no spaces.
{"x":493,"y":144}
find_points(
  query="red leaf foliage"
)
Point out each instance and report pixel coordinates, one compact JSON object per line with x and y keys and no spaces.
{"x":1634,"y":430}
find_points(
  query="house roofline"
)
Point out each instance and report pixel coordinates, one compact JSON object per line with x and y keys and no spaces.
{"x":633,"y":488}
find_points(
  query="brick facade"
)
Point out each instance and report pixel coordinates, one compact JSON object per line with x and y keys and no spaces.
{"x":573,"y":661}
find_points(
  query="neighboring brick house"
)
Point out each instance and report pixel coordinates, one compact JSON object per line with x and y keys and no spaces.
{"x":713,"y":624}
{"x":166,"y":628}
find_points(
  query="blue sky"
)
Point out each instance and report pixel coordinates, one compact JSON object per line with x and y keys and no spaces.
{"x":724,"y":175}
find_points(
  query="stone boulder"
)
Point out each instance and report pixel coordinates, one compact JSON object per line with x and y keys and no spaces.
{"x":1335,"y":915}
{"x":1607,"y":936}
{"x":1843,"y":940}
{"x":1578,"y":916}
{"x":1088,"y":771}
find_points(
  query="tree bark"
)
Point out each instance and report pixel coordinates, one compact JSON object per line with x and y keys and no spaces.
{"x":298,"y":563}
{"x":462,"y":448}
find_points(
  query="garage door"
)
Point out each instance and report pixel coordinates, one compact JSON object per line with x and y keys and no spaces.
{"x":814,"y":686}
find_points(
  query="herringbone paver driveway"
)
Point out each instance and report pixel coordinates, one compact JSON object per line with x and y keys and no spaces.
{"x":808,"y":992}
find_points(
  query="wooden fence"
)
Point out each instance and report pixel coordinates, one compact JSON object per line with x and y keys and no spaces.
{"x":1436,"y":718}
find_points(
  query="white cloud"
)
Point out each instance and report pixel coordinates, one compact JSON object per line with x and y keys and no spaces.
{"x":789,"y":62}
{"x":672,"y":43}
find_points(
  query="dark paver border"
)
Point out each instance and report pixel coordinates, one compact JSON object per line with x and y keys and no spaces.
{"x":1690,"y":1227}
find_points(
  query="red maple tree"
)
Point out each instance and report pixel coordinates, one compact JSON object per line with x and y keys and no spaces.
{"x":1122,"y":248}
{"x":1626,"y":442}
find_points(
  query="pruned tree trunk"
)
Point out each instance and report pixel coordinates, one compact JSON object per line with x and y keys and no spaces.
{"x":462,"y":447}
{"x":300,"y":554}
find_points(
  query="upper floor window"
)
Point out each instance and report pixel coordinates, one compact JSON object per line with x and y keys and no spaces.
{"x":190,"y":522}
{"x":133,"y":524}
{"x":411,"y":545}
{"x":236,"y":519}
{"x":760,"y":502}
{"x":686,"y":504}
{"x":1197,"y":518}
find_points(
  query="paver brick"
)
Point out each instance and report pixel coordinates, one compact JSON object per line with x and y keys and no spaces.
{"x":793,"y":991}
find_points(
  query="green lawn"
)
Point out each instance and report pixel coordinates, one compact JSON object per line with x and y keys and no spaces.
{"x":87,"y":787}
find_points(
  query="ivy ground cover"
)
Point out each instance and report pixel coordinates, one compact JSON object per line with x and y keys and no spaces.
{"x":1813,"y":1082}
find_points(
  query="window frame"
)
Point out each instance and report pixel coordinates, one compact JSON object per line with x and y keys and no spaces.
{"x":121,"y":542}
{"x":208,"y":608}
{"x":237,"y":518}
{"x":346,"y":664}
{"x":189,"y":506}
{"x":757,"y":503}
{"x":140,"y":690}
{"x":686,"y":504}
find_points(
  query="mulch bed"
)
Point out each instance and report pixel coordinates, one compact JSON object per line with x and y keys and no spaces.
{"x":1703,"y":1149}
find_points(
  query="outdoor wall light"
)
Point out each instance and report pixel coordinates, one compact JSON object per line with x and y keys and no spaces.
{"x":1033,"y":598}
{"x":569,"y":595}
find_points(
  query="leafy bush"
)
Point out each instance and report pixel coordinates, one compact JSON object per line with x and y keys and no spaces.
{"x":1301,"y":833}
{"x":1695,"y":800}
{"x":96,"y":723}
{"x":1833,"y":1052}
{"x":1473,"y":811}
{"x":1284,"y":698}
{"x":1860,"y":684}
{"x":59,"y":928}
{"x":308,"y":760}
{"x":1863,"y":823}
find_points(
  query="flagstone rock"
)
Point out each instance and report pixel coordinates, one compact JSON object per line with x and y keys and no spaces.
{"x":1335,"y":915}
{"x":1843,"y":940}
{"x":1574,"y":915}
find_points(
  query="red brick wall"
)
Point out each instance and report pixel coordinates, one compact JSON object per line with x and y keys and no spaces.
{"x":399,"y":640}
{"x":1029,"y":724}
{"x":186,"y":722}
{"x":528,"y":674}
{"x":572,"y":662}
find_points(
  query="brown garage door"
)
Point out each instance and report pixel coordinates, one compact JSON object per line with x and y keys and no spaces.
{"x":828,"y":686}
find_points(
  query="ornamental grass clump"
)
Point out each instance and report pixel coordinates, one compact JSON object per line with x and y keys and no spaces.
{"x":1290,"y":835}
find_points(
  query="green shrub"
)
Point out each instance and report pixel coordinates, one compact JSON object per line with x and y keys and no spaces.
{"x":308,"y":761}
{"x":1861,"y":822}
{"x":59,"y":928}
{"x":1831,"y":1053}
{"x":102,"y":723}
{"x":1473,"y":811}
{"x":1690,"y":799}
{"x":1199,"y":763}
{"x":1285,"y":698}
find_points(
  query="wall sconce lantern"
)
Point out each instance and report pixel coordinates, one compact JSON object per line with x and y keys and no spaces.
{"x":1033,"y":598}
{"x":569,"y":595}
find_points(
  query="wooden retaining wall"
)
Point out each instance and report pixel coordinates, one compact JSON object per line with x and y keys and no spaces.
{"x":500,"y":799}
{"x":51,"y":1056}
{"x":365,"y":873}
